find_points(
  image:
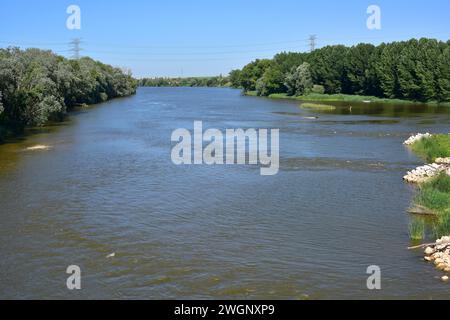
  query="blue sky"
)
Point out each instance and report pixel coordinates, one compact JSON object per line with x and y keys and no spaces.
{"x":211,"y":37}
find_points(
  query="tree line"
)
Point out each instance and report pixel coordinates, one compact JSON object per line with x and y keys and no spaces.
{"x":417,"y":70}
{"x":37,"y":86}
{"x":218,"y":81}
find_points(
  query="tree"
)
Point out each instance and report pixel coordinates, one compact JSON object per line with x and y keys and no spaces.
{"x":38,"y":86}
{"x":235,"y":78}
{"x":271,"y":82}
{"x":299,"y":80}
{"x":1,"y":104}
{"x":416,"y":70}
{"x":252,"y":72}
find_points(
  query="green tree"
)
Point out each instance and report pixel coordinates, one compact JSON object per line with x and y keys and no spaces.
{"x":252,"y":72}
{"x":271,"y":82}
{"x":299,"y":80}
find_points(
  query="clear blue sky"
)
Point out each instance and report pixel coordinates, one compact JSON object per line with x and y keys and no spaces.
{"x":209,"y":37}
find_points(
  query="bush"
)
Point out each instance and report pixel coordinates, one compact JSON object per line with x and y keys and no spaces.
{"x":37,"y":86}
{"x":318,"y":89}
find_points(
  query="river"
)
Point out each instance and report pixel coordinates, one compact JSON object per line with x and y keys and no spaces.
{"x":108,"y":185}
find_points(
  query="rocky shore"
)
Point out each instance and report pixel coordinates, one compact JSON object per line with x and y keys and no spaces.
{"x":439,"y":254}
{"x":423,"y":173}
{"x":416,"y":138}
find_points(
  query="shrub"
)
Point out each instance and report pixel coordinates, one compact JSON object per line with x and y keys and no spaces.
{"x":318,"y":89}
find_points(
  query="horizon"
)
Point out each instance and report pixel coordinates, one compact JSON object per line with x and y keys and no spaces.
{"x":220,"y":37}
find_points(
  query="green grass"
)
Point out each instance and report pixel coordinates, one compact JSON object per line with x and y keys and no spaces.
{"x":317,"y":106}
{"x":434,"y":147}
{"x":435,"y":195}
{"x":417,"y":229}
{"x":442,"y":226}
{"x":318,"y":97}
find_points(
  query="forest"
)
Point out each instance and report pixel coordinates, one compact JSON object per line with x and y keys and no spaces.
{"x":38,"y":86}
{"x":416,"y":70}
{"x":218,"y":81}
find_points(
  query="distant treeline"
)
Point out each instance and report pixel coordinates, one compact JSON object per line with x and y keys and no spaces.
{"x":416,"y":70}
{"x":218,"y":81}
{"x":37,"y":86}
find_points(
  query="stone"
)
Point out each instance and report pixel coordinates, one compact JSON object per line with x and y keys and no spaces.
{"x":444,"y":278}
{"x":443,"y":160}
{"x":441,"y":266}
{"x":417,"y":137}
{"x":38,"y":147}
{"x":429,"y":251}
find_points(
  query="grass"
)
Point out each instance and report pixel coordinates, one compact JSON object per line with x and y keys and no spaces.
{"x":251,"y":93}
{"x":317,"y":106}
{"x":417,"y":229}
{"x":432,"y":148}
{"x":442,"y":227}
{"x":319,"y":97}
{"x":435,"y":195}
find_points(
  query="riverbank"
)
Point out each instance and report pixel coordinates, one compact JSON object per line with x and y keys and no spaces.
{"x":434,"y":185}
{"x":318,"y":97}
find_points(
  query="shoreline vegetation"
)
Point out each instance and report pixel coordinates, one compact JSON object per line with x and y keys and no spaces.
{"x":433,"y":197}
{"x":405,"y":72}
{"x":38,"y":87}
{"x":215,"y":82}
{"x":318,"y":97}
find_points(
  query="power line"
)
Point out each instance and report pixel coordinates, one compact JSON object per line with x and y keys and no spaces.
{"x":75,"y":48}
{"x":312,"y":42}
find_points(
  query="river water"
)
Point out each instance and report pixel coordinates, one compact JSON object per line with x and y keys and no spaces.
{"x":107,"y":185}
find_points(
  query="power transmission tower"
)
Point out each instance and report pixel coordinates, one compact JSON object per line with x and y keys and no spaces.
{"x":312,"y":42}
{"x":75,"y":48}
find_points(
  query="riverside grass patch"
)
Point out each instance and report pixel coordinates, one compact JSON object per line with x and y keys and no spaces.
{"x":434,"y":195}
{"x":417,"y":229}
{"x":436,"y":146}
{"x":317,"y":106}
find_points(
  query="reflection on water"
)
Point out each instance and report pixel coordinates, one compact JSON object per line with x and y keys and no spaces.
{"x":107,"y":185}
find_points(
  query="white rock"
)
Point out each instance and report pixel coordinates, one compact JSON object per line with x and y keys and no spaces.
{"x":429,"y":251}
{"x":38,"y":147}
{"x":444,"y":278}
{"x":416,"y":137}
{"x":111,"y":255}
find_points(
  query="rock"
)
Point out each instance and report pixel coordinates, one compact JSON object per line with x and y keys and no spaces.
{"x":38,"y":147}
{"x":417,"y":137}
{"x":429,"y":251}
{"x":423,"y":173}
{"x":438,"y":261}
{"x":441,"y":266}
{"x":421,"y":210}
{"x":429,"y":259}
{"x":443,"y":160}
{"x":444,"y":278}
{"x":111,"y":255}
